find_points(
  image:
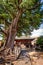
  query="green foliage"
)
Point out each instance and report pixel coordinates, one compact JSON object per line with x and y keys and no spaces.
{"x":27,"y":3}
{"x":40,"y":41}
{"x":29,"y":19}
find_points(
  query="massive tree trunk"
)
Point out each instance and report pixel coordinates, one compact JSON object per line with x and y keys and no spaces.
{"x":12,"y":31}
{"x":11,"y":36}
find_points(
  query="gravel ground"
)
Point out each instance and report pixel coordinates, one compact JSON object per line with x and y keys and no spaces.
{"x":36,"y":58}
{"x":29,"y":58}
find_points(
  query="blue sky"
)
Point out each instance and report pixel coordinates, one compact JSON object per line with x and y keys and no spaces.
{"x":42,"y":1}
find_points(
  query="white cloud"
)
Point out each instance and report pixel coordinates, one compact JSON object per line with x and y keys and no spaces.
{"x":37,"y":33}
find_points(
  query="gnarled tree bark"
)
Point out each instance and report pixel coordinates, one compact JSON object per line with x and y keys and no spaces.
{"x":13,"y":30}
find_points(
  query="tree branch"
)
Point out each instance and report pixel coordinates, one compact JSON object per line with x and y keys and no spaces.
{"x":19,"y":1}
{"x":4,"y":31}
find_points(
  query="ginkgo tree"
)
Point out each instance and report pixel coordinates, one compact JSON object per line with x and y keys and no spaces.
{"x":17,"y":17}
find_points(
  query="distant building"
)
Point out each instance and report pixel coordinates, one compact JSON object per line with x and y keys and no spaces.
{"x":24,"y":39}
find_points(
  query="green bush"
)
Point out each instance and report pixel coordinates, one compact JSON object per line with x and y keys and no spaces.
{"x":40,"y":40}
{"x":39,"y":44}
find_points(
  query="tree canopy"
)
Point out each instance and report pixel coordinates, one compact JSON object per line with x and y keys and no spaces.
{"x":30,"y":18}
